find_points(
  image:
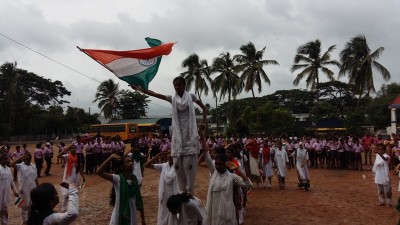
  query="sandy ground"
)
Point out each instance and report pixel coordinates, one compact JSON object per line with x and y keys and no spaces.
{"x":335,"y":197}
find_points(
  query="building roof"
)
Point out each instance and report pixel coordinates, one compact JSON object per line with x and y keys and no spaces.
{"x":395,"y":103}
{"x":164,"y":123}
{"x":138,"y":121}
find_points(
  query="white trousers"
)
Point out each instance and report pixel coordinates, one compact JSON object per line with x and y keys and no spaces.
{"x":186,"y":170}
{"x":25,"y":214}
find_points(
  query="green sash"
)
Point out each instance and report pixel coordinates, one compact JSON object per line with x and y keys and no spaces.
{"x":127,"y":191}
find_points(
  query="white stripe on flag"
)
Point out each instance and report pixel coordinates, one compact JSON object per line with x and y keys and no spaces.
{"x":130,"y":66}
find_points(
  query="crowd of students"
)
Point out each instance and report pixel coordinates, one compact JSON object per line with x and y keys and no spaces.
{"x":232,"y":164}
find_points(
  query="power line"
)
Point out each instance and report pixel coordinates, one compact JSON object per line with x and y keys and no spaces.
{"x":43,"y":55}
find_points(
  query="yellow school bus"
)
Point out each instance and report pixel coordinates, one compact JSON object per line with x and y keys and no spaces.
{"x":127,"y":131}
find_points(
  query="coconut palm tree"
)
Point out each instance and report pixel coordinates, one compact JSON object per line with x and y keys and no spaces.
{"x":358,"y":61}
{"x":197,"y":74}
{"x":227,"y":81}
{"x":251,"y":65}
{"x":107,"y":96}
{"x":310,"y":61}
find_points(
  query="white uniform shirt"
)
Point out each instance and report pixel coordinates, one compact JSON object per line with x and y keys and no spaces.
{"x":69,"y":216}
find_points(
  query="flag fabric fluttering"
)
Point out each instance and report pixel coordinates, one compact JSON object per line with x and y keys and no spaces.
{"x":18,"y":203}
{"x":137,"y":67}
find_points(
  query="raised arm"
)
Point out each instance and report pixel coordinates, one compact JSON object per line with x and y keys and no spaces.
{"x":100,"y":170}
{"x":149,"y":92}
{"x":205,"y":111}
{"x":13,"y":164}
{"x":150,"y":163}
{"x":203,"y":141}
{"x":72,"y":211}
{"x":62,"y":153}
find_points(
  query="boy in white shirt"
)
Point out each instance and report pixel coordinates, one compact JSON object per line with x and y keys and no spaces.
{"x":382,"y":177}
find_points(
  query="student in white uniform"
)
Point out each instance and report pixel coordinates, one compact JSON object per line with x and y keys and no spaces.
{"x":27,"y":181}
{"x":126,"y":197}
{"x":44,"y":200}
{"x":266,"y":164}
{"x":302,"y":160}
{"x":282,"y":162}
{"x":220,"y":208}
{"x":6,"y":184}
{"x":185,"y":139}
{"x":167,"y":186}
{"x":138,"y":159}
{"x":382,"y":176}
{"x":71,"y":173}
{"x":185,"y":210}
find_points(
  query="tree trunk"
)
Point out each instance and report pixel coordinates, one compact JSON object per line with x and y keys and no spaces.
{"x":358,"y":102}
{"x":216,"y":112}
{"x":317,"y":104}
{"x":252,"y":92}
{"x":230,"y":109}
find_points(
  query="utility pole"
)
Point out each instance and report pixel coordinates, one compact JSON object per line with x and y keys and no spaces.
{"x":89,"y":111}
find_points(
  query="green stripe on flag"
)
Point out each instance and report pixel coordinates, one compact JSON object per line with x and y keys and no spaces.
{"x":18,"y":200}
{"x":153,"y":42}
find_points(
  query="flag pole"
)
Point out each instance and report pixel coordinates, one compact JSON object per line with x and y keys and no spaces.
{"x":95,"y":59}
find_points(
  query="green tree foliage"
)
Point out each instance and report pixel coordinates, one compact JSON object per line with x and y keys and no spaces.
{"x":132,"y":105}
{"x":325,"y":111}
{"x":79,"y":120}
{"x":377,"y":109}
{"x":338,"y":94}
{"x":268,"y":119}
{"x":295,"y":100}
{"x":354,"y":123}
{"x":23,"y":97}
{"x":251,"y":65}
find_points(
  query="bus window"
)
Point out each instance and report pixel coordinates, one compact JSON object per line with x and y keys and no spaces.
{"x":132,"y":129}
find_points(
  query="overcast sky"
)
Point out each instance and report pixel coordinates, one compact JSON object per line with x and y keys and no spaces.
{"x":54,"y":28}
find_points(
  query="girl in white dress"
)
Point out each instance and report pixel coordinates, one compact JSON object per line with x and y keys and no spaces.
{"x":6,"y":183}
{"x":302,"y":160}
{"x":168,"y":184}
{"x":27,"y":181}
{"x":220,"y":208}
{"x":282,"y":162}
{"x":71,"y":173}
{"x":185,"y":210}
{"x":126,"y":197}
{"x":44,"y":200}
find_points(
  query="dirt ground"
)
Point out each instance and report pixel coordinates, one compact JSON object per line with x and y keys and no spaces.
{"x":335,"y":197}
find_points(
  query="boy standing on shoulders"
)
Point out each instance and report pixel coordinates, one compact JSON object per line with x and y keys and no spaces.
{"x":185,"y":145}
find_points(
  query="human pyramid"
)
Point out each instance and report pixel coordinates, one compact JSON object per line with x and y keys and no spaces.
{"x":228,"y":162}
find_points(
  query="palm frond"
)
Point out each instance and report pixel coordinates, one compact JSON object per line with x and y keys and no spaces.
{"x":382,"y":70}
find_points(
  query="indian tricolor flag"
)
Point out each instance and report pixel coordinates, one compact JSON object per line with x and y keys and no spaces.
{"x":18,"y":203}
{"x":136,"y":67}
